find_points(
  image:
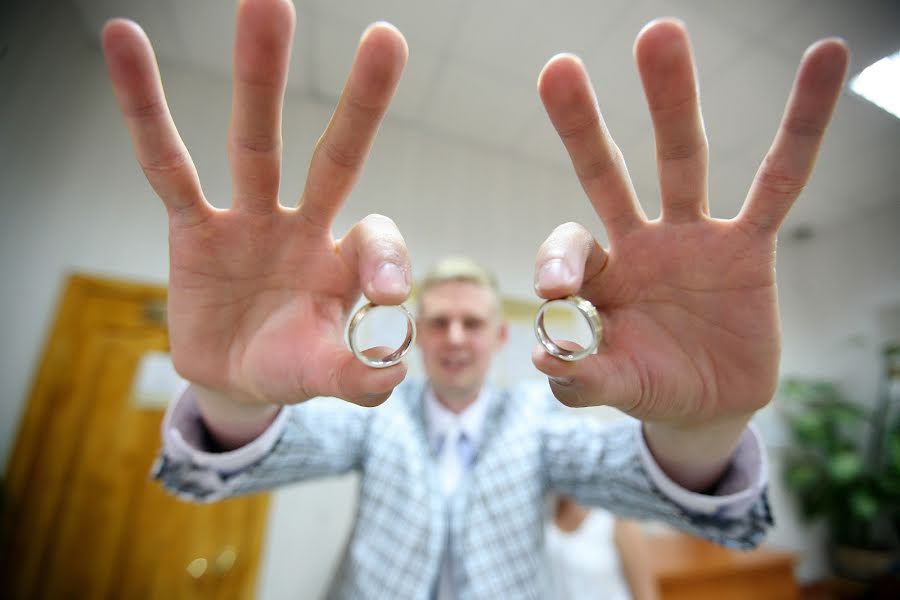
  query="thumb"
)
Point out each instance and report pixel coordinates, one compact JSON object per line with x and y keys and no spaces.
{"x":376,"y":251}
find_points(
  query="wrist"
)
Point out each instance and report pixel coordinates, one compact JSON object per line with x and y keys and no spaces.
{"x":696,"y":455}
{"x":232,"y":421}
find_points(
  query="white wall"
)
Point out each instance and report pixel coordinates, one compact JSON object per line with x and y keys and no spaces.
{"x":73,"y":199}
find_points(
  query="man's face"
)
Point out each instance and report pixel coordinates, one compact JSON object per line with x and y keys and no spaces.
{"x":459,"y":331}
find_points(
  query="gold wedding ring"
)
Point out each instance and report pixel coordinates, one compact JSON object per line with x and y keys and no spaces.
{"x":394,"y":357}
{"x":590,"y":314}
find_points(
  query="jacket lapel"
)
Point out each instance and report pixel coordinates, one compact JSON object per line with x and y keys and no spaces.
{"x":492,"y":421}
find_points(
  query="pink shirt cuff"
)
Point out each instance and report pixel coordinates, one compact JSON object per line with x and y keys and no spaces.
{"x":184,"y":437}
{"x":746,"y":478}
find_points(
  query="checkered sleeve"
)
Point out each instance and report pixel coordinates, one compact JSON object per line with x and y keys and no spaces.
{"x":320,"y":437}
{"x":608,"y":465}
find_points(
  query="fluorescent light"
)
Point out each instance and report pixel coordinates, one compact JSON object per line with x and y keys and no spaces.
{"x":879,"y":83}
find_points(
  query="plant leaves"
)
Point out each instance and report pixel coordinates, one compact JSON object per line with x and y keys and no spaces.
{"x":809,"y":427}
{"x":801,"y":476}
{"x":893,"y":444}
{"x":844,"y":466}
{"x":863,"y":504}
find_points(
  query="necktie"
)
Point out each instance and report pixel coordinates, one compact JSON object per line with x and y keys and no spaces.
{"x":451,"y":462}
{"x":451,"y":466}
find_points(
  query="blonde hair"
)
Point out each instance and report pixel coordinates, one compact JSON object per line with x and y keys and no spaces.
{"x":459,"y":268}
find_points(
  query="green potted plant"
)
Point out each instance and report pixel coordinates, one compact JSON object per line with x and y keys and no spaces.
{"x":844,"y":467}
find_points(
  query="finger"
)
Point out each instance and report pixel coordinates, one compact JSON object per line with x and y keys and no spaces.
{"x":262,"y":52}
{"x":366,"y":386}
{"x":601,"y":380}
{"x":570,"y":102}
{"x":789,"y":162}
{"x":569,"y":257}
{"x":376,"y":251}
{"x":342,"y":150}
{"x":559,"y":371}
{"x":138,"y":89}
{"x":663,"y":54}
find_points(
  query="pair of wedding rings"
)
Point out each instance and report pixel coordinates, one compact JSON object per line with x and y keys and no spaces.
{"x":584,"y":308}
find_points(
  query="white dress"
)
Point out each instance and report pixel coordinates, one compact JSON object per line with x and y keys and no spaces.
{"x":585,"y":563}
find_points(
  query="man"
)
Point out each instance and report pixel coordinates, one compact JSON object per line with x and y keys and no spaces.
{"x":260,"y":293}
{"x":454,"y":473}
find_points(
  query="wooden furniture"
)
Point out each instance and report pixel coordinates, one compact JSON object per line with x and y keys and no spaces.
{"x":688,"y":568}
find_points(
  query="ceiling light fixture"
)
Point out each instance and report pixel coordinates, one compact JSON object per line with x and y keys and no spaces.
{"x":879,"y":83}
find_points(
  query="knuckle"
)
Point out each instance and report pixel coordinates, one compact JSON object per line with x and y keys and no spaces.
{"x":147,"y":110}
{"x":779,"y":183}
{"x":371,"y":110}
{"x":597,"y":168}
{"x":165,"y":162}
{"x":579,"y":128}
{"x":258,"y":144}
{"x":564,"y":236}
{"x":682,"y":150}
{"x":804,"y":126}
{"x":340,"y":156}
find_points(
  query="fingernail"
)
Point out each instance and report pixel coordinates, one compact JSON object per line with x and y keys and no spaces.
{"x":390,"y":279}
{"x":562,"y":380}
{"x":554,"y":273}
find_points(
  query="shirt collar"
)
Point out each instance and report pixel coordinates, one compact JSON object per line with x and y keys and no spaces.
{"x":439,"y":419}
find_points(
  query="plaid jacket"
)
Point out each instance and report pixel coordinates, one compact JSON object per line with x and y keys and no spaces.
{"x":497,"y":514}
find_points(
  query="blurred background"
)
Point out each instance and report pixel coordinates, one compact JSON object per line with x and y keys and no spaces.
{"x":466,"y":162}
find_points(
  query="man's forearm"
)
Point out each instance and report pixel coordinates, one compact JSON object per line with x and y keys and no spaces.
{"x":695,"y":456}
{"x":231,"y":422}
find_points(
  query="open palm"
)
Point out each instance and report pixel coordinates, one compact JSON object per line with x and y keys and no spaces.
{"x":259,"y":293}
{"x":691,"y":328}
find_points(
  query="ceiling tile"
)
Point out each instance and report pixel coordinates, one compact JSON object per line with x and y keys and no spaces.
{"x":714,"y":43}
{"x":473,"y":67}
{"x":755,"y":19}
{"x":156,"y":19}
{"x":871,"y":29}
{"x":730,"y":176}
{"x":614,"y":74}
{"x":520,"y":36}
{"x":746,"y":100}
{"x":859,"y":169}
{"x":859,"y":126}
{"x":426,"y":25}
{"x":335,"y":46}
{"x":208,"y":47}
{"x":302,"y":56}
{"x":540,"y":141}
{"x":479,"y":105}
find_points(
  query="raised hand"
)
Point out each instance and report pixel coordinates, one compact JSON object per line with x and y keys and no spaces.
{"x":688,"y":302}
{"x":259,"y":294}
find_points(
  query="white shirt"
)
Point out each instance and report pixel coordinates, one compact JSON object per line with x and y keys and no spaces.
{"x":439,"y":420}
{"x":441,"y":424}
{"x":585,"y":563}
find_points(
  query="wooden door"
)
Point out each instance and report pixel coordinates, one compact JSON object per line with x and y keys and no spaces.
{"x":83,"y":519}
